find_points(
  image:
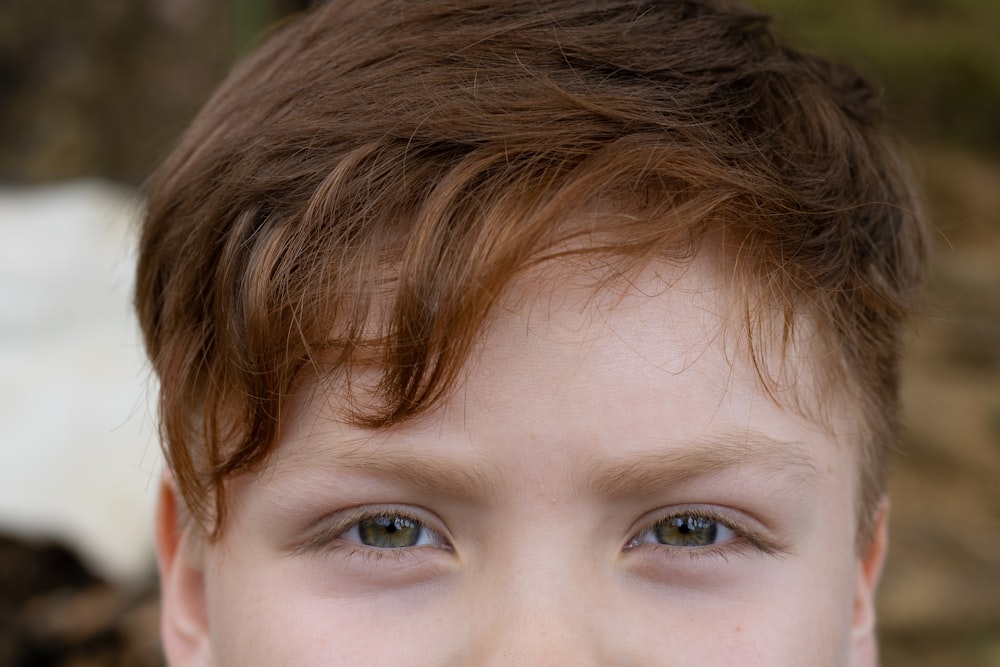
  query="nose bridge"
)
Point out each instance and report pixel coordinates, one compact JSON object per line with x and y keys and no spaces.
{"x":541,"y":612}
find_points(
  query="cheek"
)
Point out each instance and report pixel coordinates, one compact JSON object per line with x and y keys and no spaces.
{"x":264,"y":613}
{"x":813,"y":616}
{"x":795,"y":614}
{"x":256,"y":617}
{"x":805,"y":624}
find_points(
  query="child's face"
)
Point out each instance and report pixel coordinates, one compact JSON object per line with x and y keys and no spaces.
{"x":608,"y":485}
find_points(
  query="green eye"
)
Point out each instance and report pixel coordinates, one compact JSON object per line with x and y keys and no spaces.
{"x":389,"y":532}
{"x":686,"y":530}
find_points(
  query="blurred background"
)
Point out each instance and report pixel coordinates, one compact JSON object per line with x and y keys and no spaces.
{"x":94,"y":92}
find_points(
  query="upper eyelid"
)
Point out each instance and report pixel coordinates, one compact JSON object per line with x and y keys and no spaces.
{"x":322,"y":535}
{"x":653,"y":517}
{"x":741,"y":528}
{"x":334,"y":524}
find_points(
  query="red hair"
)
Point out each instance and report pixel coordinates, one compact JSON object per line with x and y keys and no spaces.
{"x":421,"y":155}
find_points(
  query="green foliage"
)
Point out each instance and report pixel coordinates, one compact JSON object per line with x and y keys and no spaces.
{"x":938,"y":60}
{"x":248,"y":19}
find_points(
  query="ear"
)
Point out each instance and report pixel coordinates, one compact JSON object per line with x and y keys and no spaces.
{"x":183,"y":621}
{"x":869,"y":571}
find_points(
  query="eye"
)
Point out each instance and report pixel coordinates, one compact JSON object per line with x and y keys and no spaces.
{"x":686,"y":530}
{"x":388,"y":530}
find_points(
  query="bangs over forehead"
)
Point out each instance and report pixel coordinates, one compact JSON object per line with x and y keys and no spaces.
{"x":401,"y":163}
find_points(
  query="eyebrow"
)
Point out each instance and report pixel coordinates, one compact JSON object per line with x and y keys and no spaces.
{"x":651,"y":472}
{"x":426,"y":475}
{"x":632,"y":475}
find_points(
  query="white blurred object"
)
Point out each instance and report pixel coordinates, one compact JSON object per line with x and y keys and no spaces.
{"x":78,"y":455}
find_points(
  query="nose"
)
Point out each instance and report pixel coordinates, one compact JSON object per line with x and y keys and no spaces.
{"x":538,"y":616}
{"x":542,"y":638}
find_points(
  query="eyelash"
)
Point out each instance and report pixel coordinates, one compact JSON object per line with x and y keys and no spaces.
{"x":331,"y":538}
{"x":745,"y":539}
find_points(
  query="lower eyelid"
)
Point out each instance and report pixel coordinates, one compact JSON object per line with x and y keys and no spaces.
{"x":657,"y":553}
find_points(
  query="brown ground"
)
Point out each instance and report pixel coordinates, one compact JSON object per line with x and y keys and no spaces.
{"x":940,"y":602}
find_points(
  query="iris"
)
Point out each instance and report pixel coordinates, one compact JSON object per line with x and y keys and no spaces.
{"x":389,"y":532}
{"x":686,"y":531}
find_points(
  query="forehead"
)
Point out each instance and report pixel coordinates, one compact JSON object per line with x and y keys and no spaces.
{"x":566,"y":369}
{"x":685,"y":322}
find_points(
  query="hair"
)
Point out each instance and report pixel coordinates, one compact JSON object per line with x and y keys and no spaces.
{"x":362,"y":189}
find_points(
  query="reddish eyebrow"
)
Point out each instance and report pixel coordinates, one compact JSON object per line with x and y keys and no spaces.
{"x":629,"y":476}
{"x":654,"y":471}
{"x":425,"y":474}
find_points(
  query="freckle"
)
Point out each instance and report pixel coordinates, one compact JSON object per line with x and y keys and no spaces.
{"x":739,"y":628}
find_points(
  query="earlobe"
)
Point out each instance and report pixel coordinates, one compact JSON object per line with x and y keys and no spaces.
{"x":183,"y":622}
{"x":869,"y":573}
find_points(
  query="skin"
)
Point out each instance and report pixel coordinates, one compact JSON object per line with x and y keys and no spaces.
{"x":544,"y":485}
